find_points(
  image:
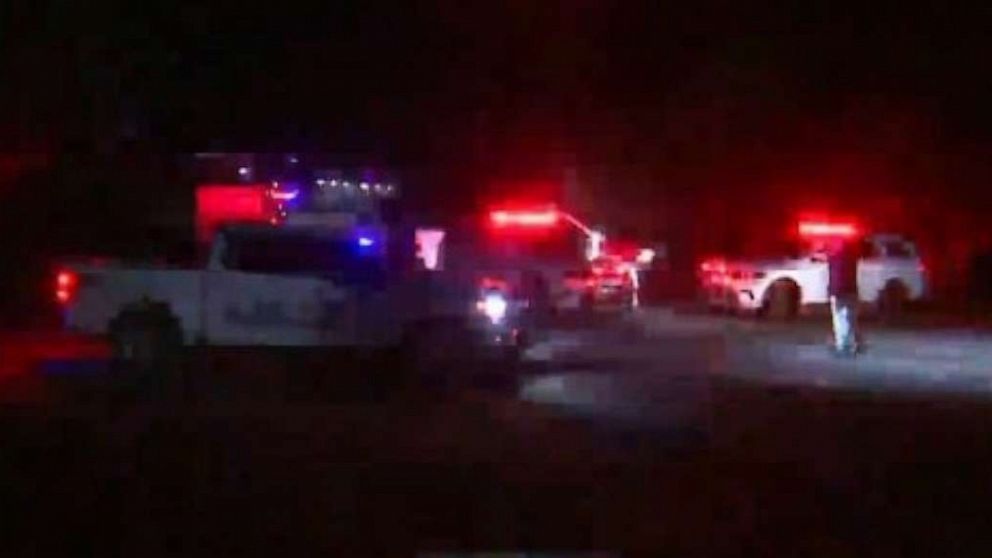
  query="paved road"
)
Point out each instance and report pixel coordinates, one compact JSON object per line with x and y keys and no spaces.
{"x":897,"y":359}
{"x":659,"y":432}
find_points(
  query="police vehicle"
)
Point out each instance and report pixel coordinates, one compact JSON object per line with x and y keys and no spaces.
{"x":890,"y":275}
{"x":301,"y":282}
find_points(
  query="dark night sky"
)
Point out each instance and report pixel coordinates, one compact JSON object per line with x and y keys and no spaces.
{"x":705,"y":96}
{"x":387,"y":76}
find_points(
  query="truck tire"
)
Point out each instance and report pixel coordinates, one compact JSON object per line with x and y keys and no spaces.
{"x":587,"y":310}
{"x":502,"y":375}
{"x":892,"y":301}
{"x":432,"y":355}
{"x":782,"y":302}
{"x":441,"y":357}
{"x":146,"y":343}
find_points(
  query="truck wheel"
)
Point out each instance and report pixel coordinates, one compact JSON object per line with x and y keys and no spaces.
{"x":431,"y":355}
{"x":503,"y":376}
{"x":146,"y":343}
{"x":587,"y":304}
{"x":892,"y":301}
{"x":782,"y":302}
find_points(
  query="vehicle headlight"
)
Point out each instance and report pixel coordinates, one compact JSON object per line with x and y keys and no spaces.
{"x":493,"y":306}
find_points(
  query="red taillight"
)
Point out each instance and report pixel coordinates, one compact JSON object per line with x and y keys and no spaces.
{"x":712,"y":268}
{"x":66,"y":283}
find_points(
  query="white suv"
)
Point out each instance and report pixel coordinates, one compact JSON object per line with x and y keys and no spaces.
{"x":890,"y":273}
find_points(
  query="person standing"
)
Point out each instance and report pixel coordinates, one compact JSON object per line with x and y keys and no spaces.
{"x":843,"y":291}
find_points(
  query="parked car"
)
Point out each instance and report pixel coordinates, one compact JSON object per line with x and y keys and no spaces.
{"x":890,"y":274}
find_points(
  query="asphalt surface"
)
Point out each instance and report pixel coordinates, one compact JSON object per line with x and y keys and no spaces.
{"x":692,"y":435}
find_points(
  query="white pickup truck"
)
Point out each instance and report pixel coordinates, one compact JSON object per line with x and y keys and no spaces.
{"x":283,"y":287}
{"x":890,"y":273}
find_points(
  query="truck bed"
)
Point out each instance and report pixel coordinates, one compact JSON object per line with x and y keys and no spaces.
{"x":104,"y":290}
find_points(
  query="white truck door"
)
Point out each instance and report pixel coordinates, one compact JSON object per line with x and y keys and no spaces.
{"x":262,"y":309}
{"x":371,"y":317}
{"x":338,"y":312}
{"x":868,"y":271}
{"x":813,"y":276}
{"x":870,"y":280}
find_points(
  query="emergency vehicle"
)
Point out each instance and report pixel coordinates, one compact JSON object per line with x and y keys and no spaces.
{"x":546,"y":256}
{"x":607,"y":281}
{"x":890,"y":274}
{"x":318,"y":283}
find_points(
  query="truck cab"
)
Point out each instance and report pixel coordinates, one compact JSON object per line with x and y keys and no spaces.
{"x":281,"y":286}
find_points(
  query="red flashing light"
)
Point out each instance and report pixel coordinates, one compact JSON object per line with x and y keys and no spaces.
{"x":843,"y":230}
{"x":713,"y":265}
{"x":713,"y":271}
{"x":65,"y":286}
{"x":493,"y":283}
{"x":65,"y":279}
{"x":217,"y":204}
{"x":505,"y":218}
{"x":610,"y":265}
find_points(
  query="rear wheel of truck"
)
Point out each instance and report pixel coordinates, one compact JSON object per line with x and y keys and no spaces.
{"x":500,"y":374}
{"x":146,"y":343}
{"x":430,"y":355}
{"x":442,"y":357}
{"x":587,"y":302}
{"x":892,"y":301}
{"x":782,"y":302}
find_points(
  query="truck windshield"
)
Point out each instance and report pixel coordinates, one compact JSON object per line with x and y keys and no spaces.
{"x":287,"y":254}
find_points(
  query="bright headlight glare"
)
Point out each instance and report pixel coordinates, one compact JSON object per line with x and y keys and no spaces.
{"x":494,"y":307}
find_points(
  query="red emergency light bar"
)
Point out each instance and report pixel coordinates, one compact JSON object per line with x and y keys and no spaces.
{"x":506,"y":218}
{"x":217,"y":204}
{"x":844,"y":230}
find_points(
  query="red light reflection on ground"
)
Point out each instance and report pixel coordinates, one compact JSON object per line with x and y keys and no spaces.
{"x":24,"y":352}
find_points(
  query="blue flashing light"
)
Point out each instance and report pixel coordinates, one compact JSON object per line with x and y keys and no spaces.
{"x":365,"y":241}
